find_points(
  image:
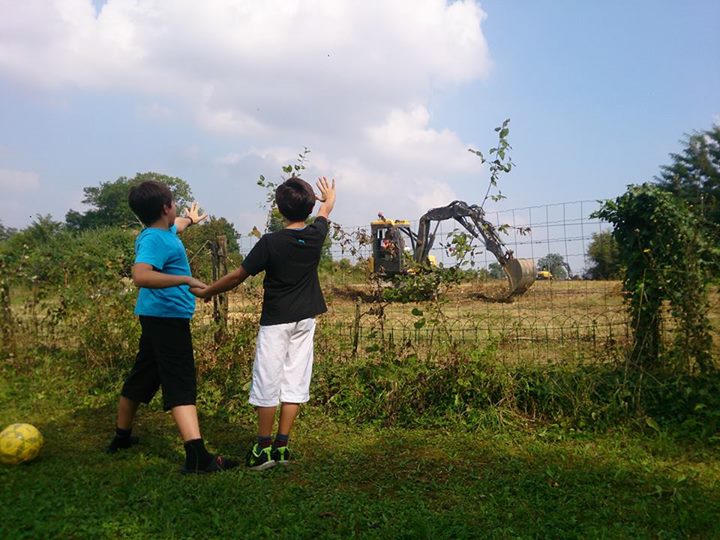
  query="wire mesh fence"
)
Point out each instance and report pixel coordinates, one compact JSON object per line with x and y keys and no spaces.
{"x":565,"y":228}
{"x":573,"y":319}
{"x":566,"y":317}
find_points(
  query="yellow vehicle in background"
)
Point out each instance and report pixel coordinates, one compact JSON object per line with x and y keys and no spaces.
{"x":544,"y":274}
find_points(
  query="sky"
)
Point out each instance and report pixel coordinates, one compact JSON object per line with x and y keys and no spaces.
{"x":387,"y":94}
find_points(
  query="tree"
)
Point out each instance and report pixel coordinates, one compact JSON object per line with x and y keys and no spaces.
{"x":110,"y":201}
{"x":496,"y":271}
{"x":694,"y":174}
{"x":6,"y":232}
{"x":555,"y":263}
{"x":603,"y":252}
{"x":194,"y":238}
{"x":37,"y":252}
{"x":661,"y":247}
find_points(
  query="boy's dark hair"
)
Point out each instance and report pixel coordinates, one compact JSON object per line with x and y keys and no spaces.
{"x":295,"y":199}
{"x":147,"y":200}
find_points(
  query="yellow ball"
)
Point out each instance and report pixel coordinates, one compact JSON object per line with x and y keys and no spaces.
{"x":19,"y":443}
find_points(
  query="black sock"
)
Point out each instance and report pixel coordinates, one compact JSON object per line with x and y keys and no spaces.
{"x":122,"y":433}
{"x":264,"y":442}
{"x":281,"y":440}
{"x":121,"y":439}
{"x":196,"y":455}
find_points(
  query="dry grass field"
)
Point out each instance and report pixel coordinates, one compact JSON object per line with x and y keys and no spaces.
{"x":578,"y":320}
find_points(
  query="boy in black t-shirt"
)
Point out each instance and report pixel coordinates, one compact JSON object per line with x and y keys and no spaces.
{"x":291,"y":300}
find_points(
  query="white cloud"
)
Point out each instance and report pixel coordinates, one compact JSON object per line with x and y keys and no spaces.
{"x":407,"y":139}
{"x":156,"y":111}
{"x":245,"y":64}
{"x":349,"y":79}
{"x":19,"y":181}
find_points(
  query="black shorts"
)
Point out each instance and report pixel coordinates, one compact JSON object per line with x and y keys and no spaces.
{"x":164,"y":359}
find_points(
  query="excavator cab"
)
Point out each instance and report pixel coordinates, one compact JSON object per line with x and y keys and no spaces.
{"x":388,"y":247}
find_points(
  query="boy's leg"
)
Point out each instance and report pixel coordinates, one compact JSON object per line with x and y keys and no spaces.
{"x":186,"y":418}
{"x":288,"y":413}
{"x":123,"y":430}
{"x":266,"y":419}
{"x":140,"y":386}
{"x":270,"y":352}
{"x":280,"y":451}
{"x":172,"y":343}
{"x":126,"y":412}
{"x":295,"y":385}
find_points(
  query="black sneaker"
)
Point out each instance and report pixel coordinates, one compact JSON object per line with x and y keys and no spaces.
{"x":120,"y":443}
{"x":217,"y":464}
{"x":281,"y":455}
{"x":259,"y":459}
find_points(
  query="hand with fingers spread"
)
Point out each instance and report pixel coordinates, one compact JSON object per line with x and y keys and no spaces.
{"x":193,"y":214}
{"x":327,"y":196}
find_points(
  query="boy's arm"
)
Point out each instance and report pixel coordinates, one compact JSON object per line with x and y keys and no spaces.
{"x":190,"y":216}
{"x":327,"y":196}
{"x":225,"y":283}
{"x":144,"y":276}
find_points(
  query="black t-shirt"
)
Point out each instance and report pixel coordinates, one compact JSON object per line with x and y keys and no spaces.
{"x":290,"y":259}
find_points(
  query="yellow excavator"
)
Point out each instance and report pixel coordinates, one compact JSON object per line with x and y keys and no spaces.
{"x":390,"y":256}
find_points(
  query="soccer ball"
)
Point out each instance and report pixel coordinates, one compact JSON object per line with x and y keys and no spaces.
{"x":19,"y":443}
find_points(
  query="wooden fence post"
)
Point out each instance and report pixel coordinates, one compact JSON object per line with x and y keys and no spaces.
{"x":6,"y":320}
{"x":220,"y":302}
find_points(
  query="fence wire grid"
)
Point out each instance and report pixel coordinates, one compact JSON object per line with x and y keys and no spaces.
{"x":564,"y":318}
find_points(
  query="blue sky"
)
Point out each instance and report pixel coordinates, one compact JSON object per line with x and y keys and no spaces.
{"x":387,"y":95}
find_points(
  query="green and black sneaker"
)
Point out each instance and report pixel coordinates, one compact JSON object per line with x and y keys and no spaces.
{"x":281,"y":455}
{"x":259,"y":459}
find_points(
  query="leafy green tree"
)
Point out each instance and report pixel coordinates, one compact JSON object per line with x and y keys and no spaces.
{"x":603,"y":253}
{"x":36,"y":252}
{"x":275,"y":221}
{"x":660,"y":247}
{"x":196,"y":237}
{"x":496,"y":271}
{"x":694,"y":173}
{"x":555,"y":263}
{"x":109,"y":201}
{"x":6,"y":232}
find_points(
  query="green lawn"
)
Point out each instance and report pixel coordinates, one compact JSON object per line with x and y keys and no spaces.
{"x":348,"y":481}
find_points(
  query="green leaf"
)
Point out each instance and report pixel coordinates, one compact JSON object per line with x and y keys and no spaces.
{"x":652,"y":423}
{"x":417,"y":312}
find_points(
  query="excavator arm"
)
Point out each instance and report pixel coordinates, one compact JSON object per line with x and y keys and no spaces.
{"x":520,"y":272}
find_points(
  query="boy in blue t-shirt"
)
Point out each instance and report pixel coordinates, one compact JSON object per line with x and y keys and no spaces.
{"x":291,"y":299}
{"x":165,"y":307}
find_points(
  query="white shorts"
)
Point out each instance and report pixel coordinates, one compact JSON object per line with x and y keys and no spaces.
{"x":283,"y":364}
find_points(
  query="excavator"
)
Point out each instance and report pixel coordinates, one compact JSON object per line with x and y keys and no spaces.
{"x":391,"y":257}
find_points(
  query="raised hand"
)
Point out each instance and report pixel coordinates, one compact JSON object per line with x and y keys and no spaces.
{"x":327,"y":191}
{"x":193,"y":213}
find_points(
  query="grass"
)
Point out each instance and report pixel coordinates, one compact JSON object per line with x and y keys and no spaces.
{"x":349,"y":480}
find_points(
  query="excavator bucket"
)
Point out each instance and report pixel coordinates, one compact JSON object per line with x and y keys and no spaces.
{"x":521,"y":274}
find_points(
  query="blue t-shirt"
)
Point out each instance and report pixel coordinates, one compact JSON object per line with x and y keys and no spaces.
{"x":162,"y":249}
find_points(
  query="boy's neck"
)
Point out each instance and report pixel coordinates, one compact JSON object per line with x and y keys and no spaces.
{"x":295,"y":225}
{"x":161,"y":223}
